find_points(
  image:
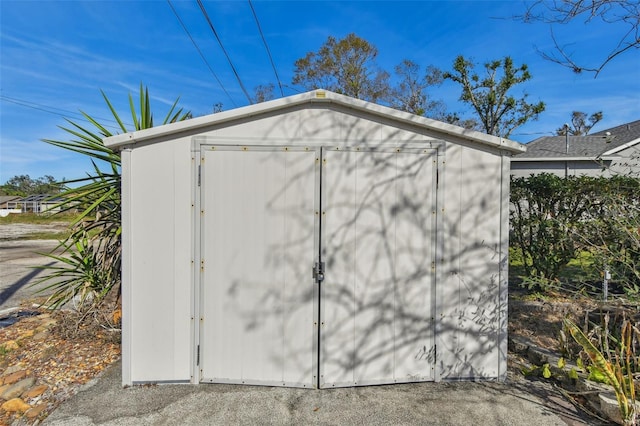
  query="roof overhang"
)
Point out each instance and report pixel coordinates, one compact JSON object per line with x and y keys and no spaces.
{"x":562,"y":159}
{"x":622,"y":147}
{"x":313,"y":97}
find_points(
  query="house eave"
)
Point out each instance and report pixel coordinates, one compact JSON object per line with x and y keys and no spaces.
{"x":622,"y":147}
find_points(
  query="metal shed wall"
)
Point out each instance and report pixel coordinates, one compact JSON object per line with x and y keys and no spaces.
{"x":472,"y":292}
{"x":160,"y":291}
{"x":157,"y":263}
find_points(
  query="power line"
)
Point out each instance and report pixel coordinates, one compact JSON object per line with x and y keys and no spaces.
{"x":293,"y":88}
{"x":184,"y":27}
{"x":215,"y":33}
{"x":52,"y":110}
{"x":266,"y":47}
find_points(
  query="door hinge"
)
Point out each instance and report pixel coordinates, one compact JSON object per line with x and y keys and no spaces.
{"x":199,"y":174}
{"x":318,"y":272}
{"x":198,"y":356}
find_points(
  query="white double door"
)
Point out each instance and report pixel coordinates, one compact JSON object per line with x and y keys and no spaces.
{"x":316,"y":265}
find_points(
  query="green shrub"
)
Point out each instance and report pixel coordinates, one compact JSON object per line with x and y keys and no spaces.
{"x":558,"y":221}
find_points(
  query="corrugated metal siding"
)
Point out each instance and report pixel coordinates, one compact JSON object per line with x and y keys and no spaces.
{"x":257,"y":297}
{"x":160,"y":257}
{"x":378,"y":244}
{"x":469,"y":295}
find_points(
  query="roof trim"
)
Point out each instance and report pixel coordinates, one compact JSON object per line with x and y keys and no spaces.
{"x":558,"y":159}
{"x":622,"y":147}
{"x":314,"y":96}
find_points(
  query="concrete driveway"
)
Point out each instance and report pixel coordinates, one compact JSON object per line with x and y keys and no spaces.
{"x":17,"y":261}
{"x":105,"y":402}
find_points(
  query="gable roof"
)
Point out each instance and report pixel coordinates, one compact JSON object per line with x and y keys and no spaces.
{"x":9,"y":198}
{"x":321,"y":97}
{"x":624,"y":136}
{"x":599,"y":145}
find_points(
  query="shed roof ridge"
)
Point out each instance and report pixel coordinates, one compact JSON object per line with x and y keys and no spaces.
{"x":313,"y":96}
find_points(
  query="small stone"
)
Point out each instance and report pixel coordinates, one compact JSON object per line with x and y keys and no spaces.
{"x":17,"y":389}
{"x":518,"y":345}
{"x":15,"y":405}
{"x":41,"y":335}
{"x":49,"y":323}
{"x":35,"y":411}
{"x":14,"y":377}
{"x":35,"y":391}
{"x":609,"y":407}
{"x":12,"y":369}
{"x":117,"y":315}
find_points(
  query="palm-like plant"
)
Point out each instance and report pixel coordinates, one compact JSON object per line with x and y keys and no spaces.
{"x":616,"y":372}
{"x":88,"y":269}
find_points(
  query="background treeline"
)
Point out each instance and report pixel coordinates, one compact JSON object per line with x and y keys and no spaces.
{"x":24,"y":185}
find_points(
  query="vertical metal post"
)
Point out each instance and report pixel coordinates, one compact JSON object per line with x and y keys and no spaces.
{"x":566,"y":150}
{"x":605,"y":284}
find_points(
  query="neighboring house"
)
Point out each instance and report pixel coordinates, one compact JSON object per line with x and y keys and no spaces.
{"x":8,"y":201}
{"x":39,"y":203}
{"x":606,"y":153}
{"x":5,"y":202}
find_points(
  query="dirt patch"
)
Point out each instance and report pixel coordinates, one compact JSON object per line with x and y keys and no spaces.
{"x":14,"y":231}
{"x":540,"y":321}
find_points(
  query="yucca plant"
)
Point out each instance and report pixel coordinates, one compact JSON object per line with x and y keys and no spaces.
{"x":617,"y":372}
{"x":88,"y":268}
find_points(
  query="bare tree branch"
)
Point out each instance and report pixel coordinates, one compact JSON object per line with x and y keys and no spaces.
{"x":619,"y":13}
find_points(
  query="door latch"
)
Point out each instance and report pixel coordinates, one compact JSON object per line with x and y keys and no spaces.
{"x":318,"y":272}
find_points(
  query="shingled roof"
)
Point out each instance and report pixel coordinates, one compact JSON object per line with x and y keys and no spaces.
{"x":598,"y":145}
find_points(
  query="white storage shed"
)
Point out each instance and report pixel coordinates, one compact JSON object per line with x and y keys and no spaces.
{"x":314,"y":241}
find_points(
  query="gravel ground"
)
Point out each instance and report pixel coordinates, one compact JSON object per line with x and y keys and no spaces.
{"x":105,"y":402}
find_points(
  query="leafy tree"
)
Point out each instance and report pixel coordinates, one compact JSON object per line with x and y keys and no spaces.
{"x":410,"y":95}
{"x":24,"y":185}
{"x":345,"y":66}
{"x":91,"y":255}
{"x":498,"y":111}
{"x":581,"y":124}
{"x":620,"y":15}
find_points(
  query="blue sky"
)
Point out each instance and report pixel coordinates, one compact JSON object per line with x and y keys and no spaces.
{"x":55,"y":56}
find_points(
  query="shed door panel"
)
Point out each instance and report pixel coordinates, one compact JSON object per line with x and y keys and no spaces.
{"x":258,"y":243}
{"x":378,"y":242}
